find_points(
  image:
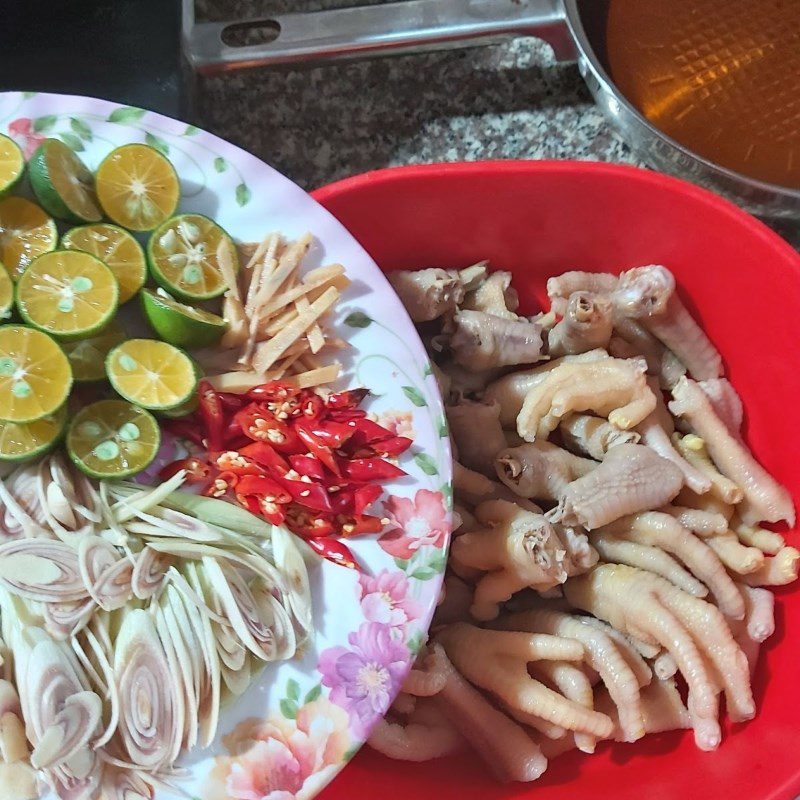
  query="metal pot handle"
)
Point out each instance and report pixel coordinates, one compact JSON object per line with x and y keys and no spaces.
{"x":398,"y":27}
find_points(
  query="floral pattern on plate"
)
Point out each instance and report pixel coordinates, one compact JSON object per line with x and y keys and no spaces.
{"x":301,"y":721}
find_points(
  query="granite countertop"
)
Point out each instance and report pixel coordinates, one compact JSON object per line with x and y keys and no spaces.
{"x":323,"y":123}
{"x":320,"y":124}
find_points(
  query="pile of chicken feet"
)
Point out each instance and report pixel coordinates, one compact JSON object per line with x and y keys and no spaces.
{"x":607,"y":524}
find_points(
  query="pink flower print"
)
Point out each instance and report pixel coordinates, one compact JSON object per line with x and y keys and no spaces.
{"x":281,"y":759}
{"x":21,"y":131}
{"x":400,"y":423}
{"x":364,"y":678}
{"x":415,"y":523}
{"x":384,"y":598}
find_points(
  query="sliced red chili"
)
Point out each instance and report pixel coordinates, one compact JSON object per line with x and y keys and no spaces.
{"x":196,"y":470}
{"x":259,"y":424}
{"x":309,"y":525}
{"x":263,"y":486}
{"x":365,"y":431}
{"x":352,"y":398}
{"x":317,"y":448}
{"x":306,"y":465}
{"x":212,"y":415}
{"x":238,"y":463}
{"x":343,"y":499}
{"x":354,"y":499}
{"x":272,"y":512}
{"x":230,"y":401}
{"x":345,"y":414}
{"x":312,"y":406}
{"x":274,"y":391}
{"x":393,"y":446}
{"x":307,"y":494}
{"x":221,"y":484}
{"x":322,"y":438}
{"x":333,"y":550}
{"x":265,"y":456}
{"x":250,"y":502}
{"x":360,"y":525}
{"x":367,"y":470}
{"x":185,"y":429}
{"x":364,"y":496}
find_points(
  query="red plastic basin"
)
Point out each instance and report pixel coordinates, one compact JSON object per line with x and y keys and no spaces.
{"x":538,"y":219}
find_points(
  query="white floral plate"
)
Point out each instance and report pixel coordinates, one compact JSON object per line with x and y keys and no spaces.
{"x":301,"y":721}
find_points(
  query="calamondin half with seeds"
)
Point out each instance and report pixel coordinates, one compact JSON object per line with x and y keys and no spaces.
{"x":26,"y":231}
{"x":152,"y":374}
{"x":184,"y":256}
{"x":137,"y":187}
{"x":68,"y":293}
{"x":117,"y":249}
{"x":35,"y":375}
{"x":112,"y":439}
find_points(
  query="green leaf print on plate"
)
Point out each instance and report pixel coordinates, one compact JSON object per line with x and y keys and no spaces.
{"x":126,"y":114}
{"x":426,"y":463}
{"x":44,"y":124}
{"x":358,"y":319}
{"x":415,"y":396}
{"x":72,"y":141}
{"x":81,"y":128}
{"x":157,"y":143}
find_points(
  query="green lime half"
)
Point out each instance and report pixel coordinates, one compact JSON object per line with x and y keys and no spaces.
{"x":113,"y":439}
{"x":26,"y":232}
{"x":12,"y":164}
{"x":181,"y":324}
{"x":62,"y":183}
{"x":88,"y":356}
{"x":68,"y":294}
{"x":137,"y":187}
{"x":117,"y":249}
{"x":183,"y":257}
{"x":152,"y":374}
{"x":35,"y":375}
{"x":21,"y":441}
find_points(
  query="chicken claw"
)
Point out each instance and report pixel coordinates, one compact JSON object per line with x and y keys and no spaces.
{"x":612,"y":387}
{"x":764,"y":497}
{"x":483,"y":341}
{"x":631,"y":478}
{"x":692,"y":630}
{"x":605,"y":655}
{"x":648,"y":294}
{"x":497,"y":661}
{"x":665,"y":532}
{"x":586,"y":325}
{"x":540,"y":470}
{"x":426,"y":734}
{"x":517,"y":549}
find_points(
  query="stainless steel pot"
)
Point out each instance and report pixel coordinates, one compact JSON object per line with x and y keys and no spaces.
{"x":574,"y":28}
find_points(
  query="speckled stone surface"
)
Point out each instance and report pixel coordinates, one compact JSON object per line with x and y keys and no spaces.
{"x":320,"y":124}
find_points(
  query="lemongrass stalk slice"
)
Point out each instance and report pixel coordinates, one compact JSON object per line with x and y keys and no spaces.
{"x":41,"y":569}
{"x":291,"y":565}
{"x":126,"y":508}
{"x":149,"y":573}
{"x":150,"y":706}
